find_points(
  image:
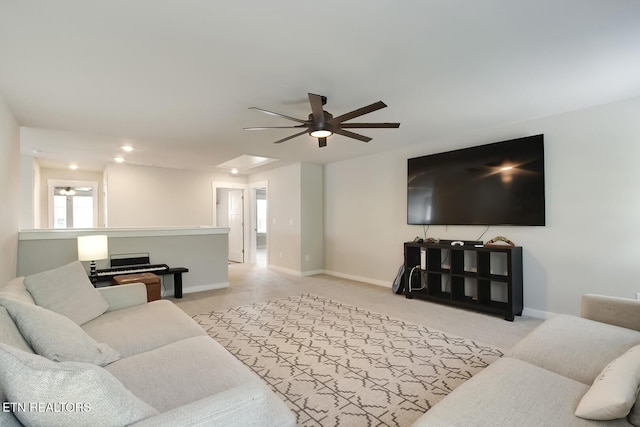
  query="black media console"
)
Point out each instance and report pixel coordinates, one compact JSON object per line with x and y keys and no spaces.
{"x":481,"y":278}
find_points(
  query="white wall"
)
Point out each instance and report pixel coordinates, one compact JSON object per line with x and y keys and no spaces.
{"x":30,"y":192}
{"x":141,"y":196}
{"x":592,"y":200}
{"x":283,"y":211}
{"x":311,"y":218}
{"x":9,"y":192}
{"x":295,"y":217}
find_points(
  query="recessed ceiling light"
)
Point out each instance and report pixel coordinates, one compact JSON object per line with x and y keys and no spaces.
{"x":234,"y":171}
{"x":118,"y":159}
{"x":73,"y":166}
{"x":127,"y":148}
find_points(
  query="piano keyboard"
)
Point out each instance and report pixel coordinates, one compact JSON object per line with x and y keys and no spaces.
{"x":131,"y":270}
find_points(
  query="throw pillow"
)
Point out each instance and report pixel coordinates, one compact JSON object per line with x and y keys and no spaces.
{"x":67,"y":290}
{"x":46,"y":393}
{"x":56,"y":337}
{"x":615,"y":390}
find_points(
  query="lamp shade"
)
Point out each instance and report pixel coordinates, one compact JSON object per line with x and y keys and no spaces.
{"x":92,"y":248}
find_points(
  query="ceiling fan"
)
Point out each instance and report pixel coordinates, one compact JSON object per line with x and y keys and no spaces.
{"x":321,"y":124}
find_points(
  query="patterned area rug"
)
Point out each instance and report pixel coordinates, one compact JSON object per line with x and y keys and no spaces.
{"x":338,"y":365}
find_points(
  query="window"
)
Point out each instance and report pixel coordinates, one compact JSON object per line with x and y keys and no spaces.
{"x":72,"y":204}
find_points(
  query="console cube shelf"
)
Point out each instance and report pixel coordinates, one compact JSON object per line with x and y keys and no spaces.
{"x":487,"y":279}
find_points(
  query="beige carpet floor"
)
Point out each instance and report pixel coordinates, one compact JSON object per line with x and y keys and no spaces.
{"x":336,"y":364}
{"x":253,"y":284}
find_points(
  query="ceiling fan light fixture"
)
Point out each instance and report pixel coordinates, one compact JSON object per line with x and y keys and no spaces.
{"x":320,"y":133}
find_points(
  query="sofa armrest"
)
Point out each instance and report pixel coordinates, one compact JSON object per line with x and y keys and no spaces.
{"x":124,"y":296}
{"x":624,"y":312}
{"x":243,"y":405}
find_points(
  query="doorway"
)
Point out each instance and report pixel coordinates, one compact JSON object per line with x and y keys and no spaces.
{"x":229,"y":208}
{"x":230,"y":214}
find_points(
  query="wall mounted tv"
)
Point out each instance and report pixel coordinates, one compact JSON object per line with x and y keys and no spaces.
{"x":494,"y":184}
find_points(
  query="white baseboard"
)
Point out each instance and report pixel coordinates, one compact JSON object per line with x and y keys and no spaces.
{"x":296,"y":273}
{"x":284,"y":270}
{"x":386,"y":284}
{"x":200,"y":288}
{"x":312,"y":272}
{"x":332,"y":273}
{"x":539,"y":314}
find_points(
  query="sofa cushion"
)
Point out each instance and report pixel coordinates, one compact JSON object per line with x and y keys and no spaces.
{"x":192,"y":369}
{"x":511,"y":392}
{"x":9,"y":332}
{"x":614,"y":391}
{"x":143,"y":327}
{"x":240,"y":406}
{"x":67,"y":290}
{"x":15,"y":290}
{"x":57,"y":337}
{"x":574,"y":347}
{"x":10,"y":335}
{"x":83,"y":394}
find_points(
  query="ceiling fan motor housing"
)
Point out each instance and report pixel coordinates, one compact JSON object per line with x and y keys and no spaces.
{"x":324,"y":124}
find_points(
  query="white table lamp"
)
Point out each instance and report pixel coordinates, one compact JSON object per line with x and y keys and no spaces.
{"x":92,"y":248}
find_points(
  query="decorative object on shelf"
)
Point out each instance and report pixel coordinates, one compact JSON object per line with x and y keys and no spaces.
{"x":495,"y":240}
{"x":321,"y":124}
{"x":93,"y":248}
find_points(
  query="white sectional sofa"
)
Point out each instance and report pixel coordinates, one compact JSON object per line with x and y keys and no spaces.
{"x":74,"y":355}
{"x":588,"y":365}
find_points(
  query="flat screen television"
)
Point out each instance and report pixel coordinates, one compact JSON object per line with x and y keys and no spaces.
{"x":494,"y":184}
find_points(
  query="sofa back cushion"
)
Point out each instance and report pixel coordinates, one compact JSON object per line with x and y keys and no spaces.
{"x":68,"y":291}
{"x":574,"y":347}
{"x":15,"y":290}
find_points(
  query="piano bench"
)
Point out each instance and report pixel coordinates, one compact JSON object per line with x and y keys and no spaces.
{"x":151,"y":281}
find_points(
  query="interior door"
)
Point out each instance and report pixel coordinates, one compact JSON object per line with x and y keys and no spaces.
{"x":236,"y":226}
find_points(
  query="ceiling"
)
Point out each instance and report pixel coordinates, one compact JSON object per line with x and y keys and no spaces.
{"x":174,"y":79}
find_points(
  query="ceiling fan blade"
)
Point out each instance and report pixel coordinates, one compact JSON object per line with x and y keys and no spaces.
{"x":316,"y":108}
{"x":352,"y":135}
{"x":278,"y":115}
{"x":289,"y":137}
{"x":274,"y":127}
{"x":322,"y":142}
{"x":368,"y":125}
{"x":360,"y":112}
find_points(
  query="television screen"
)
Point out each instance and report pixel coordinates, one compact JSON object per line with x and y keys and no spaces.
{"x":494,"y":184}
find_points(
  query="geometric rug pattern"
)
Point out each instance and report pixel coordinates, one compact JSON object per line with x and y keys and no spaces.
{"x":335,"y":364}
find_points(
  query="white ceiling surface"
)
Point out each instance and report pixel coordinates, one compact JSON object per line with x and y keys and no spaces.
{"x":175,"y":78}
